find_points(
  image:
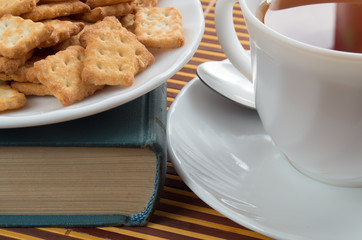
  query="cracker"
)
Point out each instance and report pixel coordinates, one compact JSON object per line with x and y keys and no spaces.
{"x":16,"y":7}
{"x":19,"y":36}
{"x":143,"y":57}
{"x":50,"y":1}
{"x":112,"y":55}
{"x":99,"y":13}
{"x":101,"y":3}
{"x":128,"y":22}
{"x":10,"y":98}
{"x":159,"y":27}
{"x":4,"y":77}
{"x":56,"y":9}
{"x":146,"y":3}
{"x":72,"y":41}
{"x":27,"y":73}
{"x":63,"y":30}
{"x":10,"y":65}
{"x":61,"y":73}
{"x":108,"y":61}
{"x":31,"y":89}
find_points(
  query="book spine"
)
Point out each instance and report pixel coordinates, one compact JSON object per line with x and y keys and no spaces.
{"x":157,"y":115}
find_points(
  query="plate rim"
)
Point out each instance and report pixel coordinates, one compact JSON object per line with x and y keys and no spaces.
{"x":7,"y":121}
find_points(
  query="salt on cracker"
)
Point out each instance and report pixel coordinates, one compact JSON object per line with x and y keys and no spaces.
{"x":56,"y":9}
{"x":146,"y":3}
{"x":159,"y":27}
{"x":5,"y":77}
{"x":61,"y":74}
{"x":101,"y":3}
{"x":99,"y":13}
{"x":19,"y":36}
{"x":10,"y":98}
{"x":50,"y":1}
{"x":31,"y":89}
{"x":63,"y":30}
{"x":16,"y":7}
{"x":10,"y":65}
{"x":112,"y":55}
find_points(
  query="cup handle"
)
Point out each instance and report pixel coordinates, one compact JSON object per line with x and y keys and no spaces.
{"x":228,"y":39}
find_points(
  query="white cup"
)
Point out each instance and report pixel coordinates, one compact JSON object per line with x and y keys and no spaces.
{"x":309,"y":99}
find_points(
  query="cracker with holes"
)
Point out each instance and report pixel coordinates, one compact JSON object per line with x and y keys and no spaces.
{"x":31,"y":89}
{"x":63,"y":30}
{"x":18,"y":36}
{"x":146,"y":3}
{"x":10,"y":65}
{"x":101,"y":3}
{"x":159,"y":27}
{"x":10,"y":98}
{"x":56,"y":9}
{"x":99,"y":13}
{"x":112,"y":55}
{"x":143,"y":57}
{"x":61,"y":74}
{"x":16,"y":7}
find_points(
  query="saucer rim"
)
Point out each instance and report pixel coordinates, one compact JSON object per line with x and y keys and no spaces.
{"x":198,"y":190}
{"x":213,"y":201}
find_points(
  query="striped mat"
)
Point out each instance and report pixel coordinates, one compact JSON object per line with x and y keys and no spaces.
{"x":180,"y":213}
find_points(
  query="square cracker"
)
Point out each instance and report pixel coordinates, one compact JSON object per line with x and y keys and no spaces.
{"x":99,"y":13}
{"x":56,"y":9}
{"x":159,"y":27}
{"x":16,"y":7}
{"x":61,"y":74}
{"x":19,"y":36}
{"x":11,"y":65}
{"x":63,"y":30}
{"x":112,"y":55}
{"x":144,"y":58}
{"x":101,"y":3}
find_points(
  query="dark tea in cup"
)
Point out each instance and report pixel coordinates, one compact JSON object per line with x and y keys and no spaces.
{"x":331,"y":25}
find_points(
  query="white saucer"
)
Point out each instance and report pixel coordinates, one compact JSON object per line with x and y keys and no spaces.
{"x":220,"y":150}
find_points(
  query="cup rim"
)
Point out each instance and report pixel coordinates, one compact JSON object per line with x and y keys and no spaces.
{"x":294,"y":43}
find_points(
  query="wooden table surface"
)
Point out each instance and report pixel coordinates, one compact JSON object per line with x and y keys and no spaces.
{"x":180,"y":213}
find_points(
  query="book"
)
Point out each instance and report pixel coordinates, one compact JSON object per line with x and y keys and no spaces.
{"x":107,"y":169}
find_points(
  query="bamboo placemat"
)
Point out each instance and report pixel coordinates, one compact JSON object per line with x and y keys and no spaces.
{"x":180,"y":213}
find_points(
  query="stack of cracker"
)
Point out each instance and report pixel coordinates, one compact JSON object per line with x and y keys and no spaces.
{"x":69,"y":49}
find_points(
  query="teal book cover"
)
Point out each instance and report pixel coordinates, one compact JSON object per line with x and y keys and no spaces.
{"x":107,"y":169}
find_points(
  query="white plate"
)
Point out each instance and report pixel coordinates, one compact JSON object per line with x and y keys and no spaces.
{"x":219,"y":148}
{"x":46,"y":110}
